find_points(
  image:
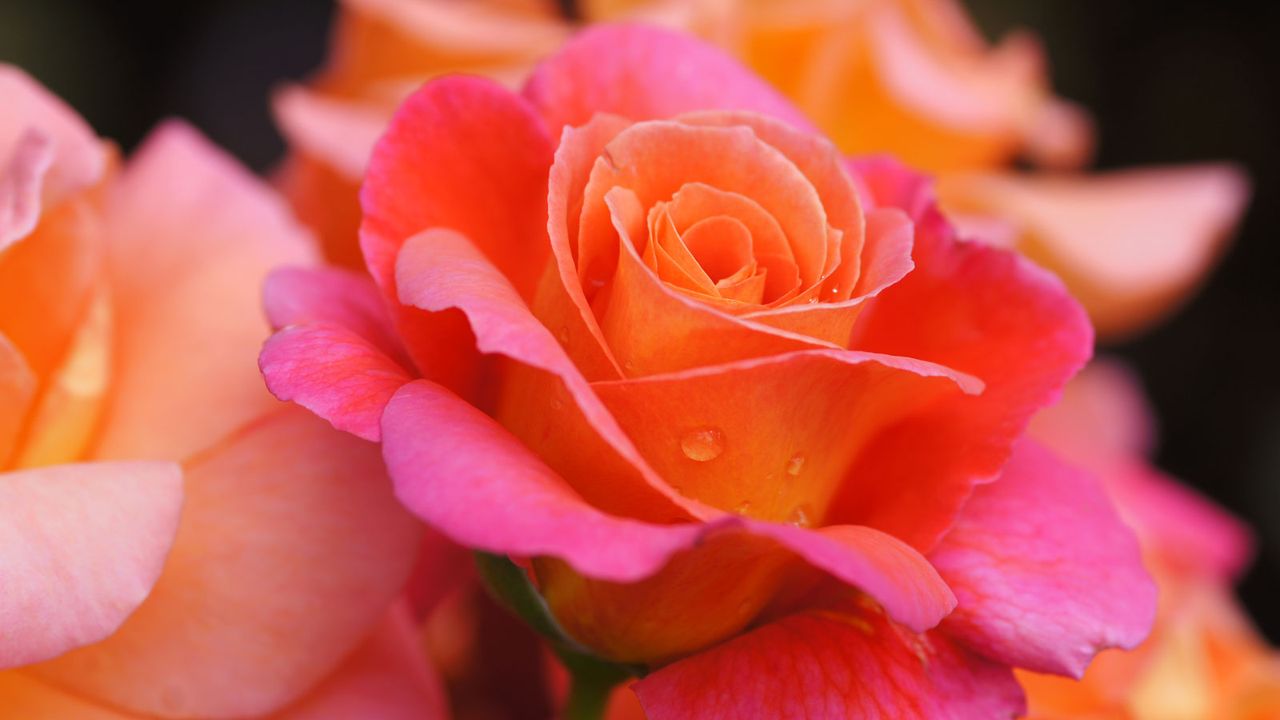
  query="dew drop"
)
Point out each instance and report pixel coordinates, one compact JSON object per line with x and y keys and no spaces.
{"x":702,"y":445}
{"x":557,"y":404}
{"x":795,"y":465}
{"x":813,"y":301}
{"x":743,"y":507}
{"x":800,"y":516}
{"x":563,"y":334}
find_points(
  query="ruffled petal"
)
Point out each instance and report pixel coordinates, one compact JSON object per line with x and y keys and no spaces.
{"x":1046,"y":573}
{"x":643,"y":73}
{"x":488,"y":154}
{"x":849,"y":662}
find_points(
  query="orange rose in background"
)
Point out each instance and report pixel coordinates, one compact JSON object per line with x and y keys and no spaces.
{"x":912,"y":78}
{"x":173,"y":542}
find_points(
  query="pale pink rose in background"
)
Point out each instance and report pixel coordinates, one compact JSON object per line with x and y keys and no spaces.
{"x":173,"y":542}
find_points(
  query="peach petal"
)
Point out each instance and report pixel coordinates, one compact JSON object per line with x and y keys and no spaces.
{"x":78,"y":159}
{"x":887,"y":259}
{"x":439,"y":270}
{"x":1042,"y":513}
{"x":655,"y":159}
{"x":775,"y":437}
{"x":67,"y":244}
{"x":290,"y":548}
{"x":20,"y":185}
{"x":386,"y":678}
{"x":560,"y":302}
{"x":722,"y":246}
{"x":844,"y":662}
{"x":340,"y":133}
{"x":489,"y":155}
{"x":646,"y":73}
{"x":17,"y":391}
{"x":1130,"y":244}
{"x":301,"y":296}
{"x":680,"y":331}
{"x":66,"y":417}
{"x":191,"y":236}
{"x":82,"y":548}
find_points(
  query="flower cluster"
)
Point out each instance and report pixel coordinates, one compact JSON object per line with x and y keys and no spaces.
{"x":721,"y":332}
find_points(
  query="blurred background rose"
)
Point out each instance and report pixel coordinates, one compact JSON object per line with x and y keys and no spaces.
{"x":1167,"y":82}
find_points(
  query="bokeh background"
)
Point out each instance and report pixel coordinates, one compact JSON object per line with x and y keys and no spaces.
{"x":1168,"y":82}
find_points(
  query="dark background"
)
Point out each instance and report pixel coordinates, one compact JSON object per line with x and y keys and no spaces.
{"x":1168,"y":82}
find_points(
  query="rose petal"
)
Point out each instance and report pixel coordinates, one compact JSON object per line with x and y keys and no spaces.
{"x":644,"y":73}
{"x":386,"y":678}
{"x":488,"y":156}
{"x":17,"y":391}
{"x":1129,"y":244}
{"x":23,"y":696}
{"x":981,"y":311}
{"x":291,"y":546}
{"x":334,"y":373}
{"x":20,"y":185}
{"x":513,"y":503}
{"x":78,"y":159}
{"x":850,"y":662}
{"x":1046,"y":573}
{"x":439,"y":270}
{"x":776,"y":437}
{"x":191,"y":238}
{"x":80,"y":548}
{"x":337,"y":354}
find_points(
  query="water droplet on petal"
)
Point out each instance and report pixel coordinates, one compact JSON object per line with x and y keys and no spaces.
{"x":743,"y":507}
{"x":813,"y":301}
{"x":563,"y":334}
{"x":702,"y":445}
{"x":800,"y":516}
{"x":795,"y":465}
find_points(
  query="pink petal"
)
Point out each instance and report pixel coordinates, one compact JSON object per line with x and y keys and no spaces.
{"x":845,"y":663}
{"x":488,"y":156}
{"x":80,"y":548}
{"x":645,"y":73}
{"x":1130,"y":244}
{"x":984,"y":312}
{"x":337,"y":355}
{"x":339,"y":132}
{"x":67,"y":156}
{"x":386,"y":678}
{"x":290,"y":549}
{"x":334,"y":373}
{"x":461,"y":472}
{"x":1103,"y":424}
{"x":191,"y":236}
{"x":1046,"y":573}
{"x":439,"y":270}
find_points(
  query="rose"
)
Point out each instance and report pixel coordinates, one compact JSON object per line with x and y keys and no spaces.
{"x":160,"y":514}
{"x":710,"y":467}
{"x":909,"y":77}
{"x":1203,"y":659}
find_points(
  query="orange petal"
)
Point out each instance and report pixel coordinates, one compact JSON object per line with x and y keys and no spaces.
{"x":1129,"y":244}
{"x":192,"y":238}
{"x":773,"y":438}
{"x":82,"y":548}
{"x":290,"y":548}
{"x":17,"y":390}
{"x":655,"y":159}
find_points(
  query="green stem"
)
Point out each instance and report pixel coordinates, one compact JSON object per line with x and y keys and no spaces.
{"x":589,"y":695}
